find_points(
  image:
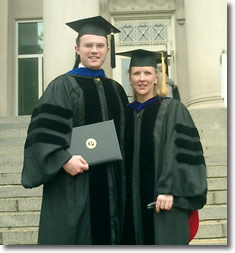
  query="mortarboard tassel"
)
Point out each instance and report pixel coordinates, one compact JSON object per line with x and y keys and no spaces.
{"x":112,"y":48}
{"x":77,"y":61}
{"x":163,"y":87}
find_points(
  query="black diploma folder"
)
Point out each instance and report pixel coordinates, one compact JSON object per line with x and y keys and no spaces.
{"x":96,"y":143}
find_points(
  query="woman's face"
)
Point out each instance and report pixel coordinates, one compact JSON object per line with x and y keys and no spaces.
{"x":92,"y":50}
{"x":143,"y":80}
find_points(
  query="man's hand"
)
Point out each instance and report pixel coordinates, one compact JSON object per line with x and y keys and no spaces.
{"x":164,"y":202}
{"x":76,"y":165}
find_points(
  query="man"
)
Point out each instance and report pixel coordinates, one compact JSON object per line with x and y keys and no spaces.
{"x":82,"y":204}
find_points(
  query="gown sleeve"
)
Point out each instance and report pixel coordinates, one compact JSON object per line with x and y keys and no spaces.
{"x":48,"y":134}
{"x":183,"y":170}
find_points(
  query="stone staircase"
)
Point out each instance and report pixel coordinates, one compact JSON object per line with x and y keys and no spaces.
{"x":20,"y":208}
{"x":212,"y":127}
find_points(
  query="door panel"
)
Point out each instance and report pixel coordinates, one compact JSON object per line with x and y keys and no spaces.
{"x":27,"y":85}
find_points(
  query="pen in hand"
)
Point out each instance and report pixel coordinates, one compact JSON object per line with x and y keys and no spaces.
{"x":164,"y":202}
{"x":151,"y":205}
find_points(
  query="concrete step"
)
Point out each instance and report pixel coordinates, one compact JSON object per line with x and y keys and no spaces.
{"x":11,"y":163}
{"x":19,"y":236}
{"x":213,"y":212}
{"x":13,"y":127}
{"x":17,"y":149}
{"x":19,"y":219}
{"x":15,"y":120}
{"x":209,"y":242}
{"x":16,"y":125}
{"x":210,"y":233}
{"x":12,"y":167}
{"x":211,"y":123}
{"x":216,"y":197}
{"x":16,"y":191}
{"x":12,"y":141}
{"x":212,"y":229}
{"x":216,"y":184}
{"x":6,"y":133}
{"x":215,"y":155}
{"x":20,"y":204}
{"x":199,"y":115}
{"x":217,"y":171}
{"x":20,"y":207}
{"x":10,"y":179}
{"x":24,"y":236}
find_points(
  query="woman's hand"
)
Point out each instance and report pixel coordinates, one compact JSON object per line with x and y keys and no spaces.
{"x":76,"y":165}
{"x":164,"y":202}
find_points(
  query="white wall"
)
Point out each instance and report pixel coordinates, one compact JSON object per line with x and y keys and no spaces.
{"x":59,"y":39}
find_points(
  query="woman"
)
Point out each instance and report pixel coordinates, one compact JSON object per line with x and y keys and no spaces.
{"x":166,"y":173}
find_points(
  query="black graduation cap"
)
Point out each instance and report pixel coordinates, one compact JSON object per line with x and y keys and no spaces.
{"x":143,"y":58}
{"x":97,"y":26}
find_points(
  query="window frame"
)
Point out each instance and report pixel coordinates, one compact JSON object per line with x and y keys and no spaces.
{"x":27,"y":56}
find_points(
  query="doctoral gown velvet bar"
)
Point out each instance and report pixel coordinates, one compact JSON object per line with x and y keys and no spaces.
{"x":163,"y":156}
{"x":87,"y":208}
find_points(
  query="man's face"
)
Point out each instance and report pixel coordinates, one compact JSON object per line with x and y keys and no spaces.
{"x":92,"y":50}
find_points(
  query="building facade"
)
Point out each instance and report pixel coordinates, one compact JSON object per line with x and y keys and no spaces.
{"x":36,"y":46}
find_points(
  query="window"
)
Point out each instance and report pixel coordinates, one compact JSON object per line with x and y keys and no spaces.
{"x":143,"y":32}
{"x":29,"y":65}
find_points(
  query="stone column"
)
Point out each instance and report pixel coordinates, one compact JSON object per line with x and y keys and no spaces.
{"x":3,"y":56}
{"x":59,"y":39}
{"x":206,"y":33}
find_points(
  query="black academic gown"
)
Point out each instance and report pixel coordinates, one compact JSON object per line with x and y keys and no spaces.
{"x":163,"y":156}
{"x":87,"y":208}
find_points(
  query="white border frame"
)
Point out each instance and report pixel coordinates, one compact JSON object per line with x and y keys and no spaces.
{"x":223,"y":76}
